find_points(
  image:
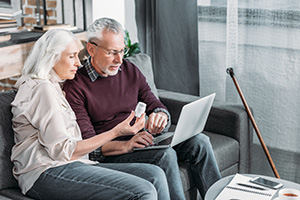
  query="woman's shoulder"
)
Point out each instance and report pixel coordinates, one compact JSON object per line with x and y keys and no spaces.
{"x":29,"y":88}
{"x":40,"y":86}
{"x":31,"y":82}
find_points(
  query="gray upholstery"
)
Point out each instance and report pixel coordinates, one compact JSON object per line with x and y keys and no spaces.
{"x":8,"y":184}
{"x":3,"y":198}
{"x":143,"y":61}
{"x":7,"y":141}
{"x":228,"y":128}
{"x":15,"y":194}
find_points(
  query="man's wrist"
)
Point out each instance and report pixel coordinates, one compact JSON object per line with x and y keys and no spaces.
{"x":157,"y":110}
{"x":96,"y":155}
{"x":168,"y":115}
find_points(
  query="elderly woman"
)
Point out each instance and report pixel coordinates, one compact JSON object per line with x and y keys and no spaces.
{"x":50,"y":158}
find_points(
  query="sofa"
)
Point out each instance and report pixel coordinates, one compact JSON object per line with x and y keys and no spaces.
{"x":228,"y":128}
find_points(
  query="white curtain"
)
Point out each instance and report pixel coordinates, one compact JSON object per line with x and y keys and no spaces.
{"x":260,"y":40}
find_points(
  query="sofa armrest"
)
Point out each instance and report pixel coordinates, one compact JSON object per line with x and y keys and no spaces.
{"x":4,"y":198}
{"x":229,"y":119}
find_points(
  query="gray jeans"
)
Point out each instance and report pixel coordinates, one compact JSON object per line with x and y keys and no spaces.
{"x":118,"y":181}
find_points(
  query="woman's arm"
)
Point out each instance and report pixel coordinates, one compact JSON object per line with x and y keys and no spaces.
{"x":46,"y":113}
{"x":139,"y":140}
{"x":124,"y":128}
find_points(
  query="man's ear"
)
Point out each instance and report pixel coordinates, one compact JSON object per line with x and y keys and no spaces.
{"x":90,"y":48}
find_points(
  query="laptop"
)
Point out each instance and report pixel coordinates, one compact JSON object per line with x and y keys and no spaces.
{"x":191,"y":121}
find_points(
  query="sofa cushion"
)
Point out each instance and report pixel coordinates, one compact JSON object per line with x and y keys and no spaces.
{"x":4,"y":198}
{"x":6,"y":141}
{"x":143,"y":62}
{"x":186,"y":175}
{"x":225,"y":150}
{"x":14,"y":193}
{"x":189,"y":188}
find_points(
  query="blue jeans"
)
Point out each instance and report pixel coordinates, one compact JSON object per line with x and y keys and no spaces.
{"x":132,"y":181}
{"x":164,"y":158}
{"x":203,"y":165}
{"x":196,"y":150}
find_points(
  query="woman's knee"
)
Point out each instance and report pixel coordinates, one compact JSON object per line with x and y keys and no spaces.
{"x":170,"y":154}
{"x":155,"y":175}
{"x":148,"y":192}
{"x":158,"y":178}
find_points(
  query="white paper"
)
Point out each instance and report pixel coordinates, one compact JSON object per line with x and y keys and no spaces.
{"x":237,"y":192}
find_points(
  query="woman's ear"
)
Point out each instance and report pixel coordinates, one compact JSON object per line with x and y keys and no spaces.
{"x":90,"y":48}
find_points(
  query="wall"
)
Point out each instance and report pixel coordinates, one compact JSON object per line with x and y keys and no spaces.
{"x":31,"y":15}
{"x":7,"y":84}
{"x":31,"y":18}
{"x":120,"y":10}
{"x":71,"y":14}
{"x":109,"y":8}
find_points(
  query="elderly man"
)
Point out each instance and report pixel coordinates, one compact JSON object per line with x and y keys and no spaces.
{"x":105,"y":91}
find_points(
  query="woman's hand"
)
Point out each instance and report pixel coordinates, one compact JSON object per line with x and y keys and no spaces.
{"x":110,"y":147}
{"x":140,"y":140}
{"x":124,"y":128}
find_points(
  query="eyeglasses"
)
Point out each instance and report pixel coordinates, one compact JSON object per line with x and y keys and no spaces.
{"x":113,"y":52}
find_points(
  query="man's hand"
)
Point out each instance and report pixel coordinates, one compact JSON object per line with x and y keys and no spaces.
{"x":140,"y":140}
{"x":156,"y":122}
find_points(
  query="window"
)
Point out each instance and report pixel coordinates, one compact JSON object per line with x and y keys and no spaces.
{"x":260,"y":39}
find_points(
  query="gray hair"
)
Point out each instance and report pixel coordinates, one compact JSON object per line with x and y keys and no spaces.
{"x":95,"y":30}
{"x":46,"y":52}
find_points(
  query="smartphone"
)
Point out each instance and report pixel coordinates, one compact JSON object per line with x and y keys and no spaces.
{"x":267,"y":183}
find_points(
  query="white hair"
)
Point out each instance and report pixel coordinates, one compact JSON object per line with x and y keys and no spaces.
{"x":95,"y":30}
{"x":46,"y":52}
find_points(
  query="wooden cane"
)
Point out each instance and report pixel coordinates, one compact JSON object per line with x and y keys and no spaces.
{"x":230,"y":72}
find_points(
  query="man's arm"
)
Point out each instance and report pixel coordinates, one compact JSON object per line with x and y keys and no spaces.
{"x":77,"y":100}
{"x":159,"y":117}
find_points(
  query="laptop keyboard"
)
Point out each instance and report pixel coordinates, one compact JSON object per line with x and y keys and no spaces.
{"x":162,"y":137}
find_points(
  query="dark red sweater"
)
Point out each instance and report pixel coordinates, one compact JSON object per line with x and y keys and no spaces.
{"x":101,"y":105}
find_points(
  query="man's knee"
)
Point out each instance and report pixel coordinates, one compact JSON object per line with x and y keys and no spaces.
{"x":203,"y":140}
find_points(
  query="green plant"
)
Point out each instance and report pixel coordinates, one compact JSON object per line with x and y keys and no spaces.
{"x":133,"y":48}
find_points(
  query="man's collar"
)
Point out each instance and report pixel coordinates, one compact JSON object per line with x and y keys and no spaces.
{"x":93,"y":74}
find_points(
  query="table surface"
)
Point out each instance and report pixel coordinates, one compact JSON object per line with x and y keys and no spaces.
{"x":217,"y":187}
